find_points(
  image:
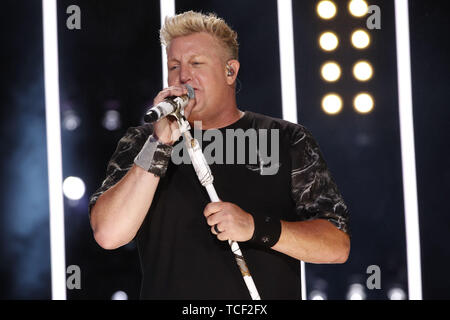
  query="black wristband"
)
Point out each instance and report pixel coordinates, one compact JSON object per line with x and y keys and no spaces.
{"x":267,"y":231}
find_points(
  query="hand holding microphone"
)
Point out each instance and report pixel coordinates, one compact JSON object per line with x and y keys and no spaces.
{"x":166,"y":102}
{"x":169,"y":105}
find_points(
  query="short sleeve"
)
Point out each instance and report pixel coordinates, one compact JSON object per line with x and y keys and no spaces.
{"x":122,"y":160}
{"x":314,"y":191}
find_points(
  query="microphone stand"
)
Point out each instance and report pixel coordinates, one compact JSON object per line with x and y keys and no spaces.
{"x":206,"y":178}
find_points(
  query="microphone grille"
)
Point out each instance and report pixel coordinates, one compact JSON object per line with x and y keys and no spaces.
{"x":191,"y":93}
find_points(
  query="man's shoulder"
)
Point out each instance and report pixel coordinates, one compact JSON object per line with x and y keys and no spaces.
{"x":291,"y":129}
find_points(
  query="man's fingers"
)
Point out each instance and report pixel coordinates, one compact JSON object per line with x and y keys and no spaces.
{"x":214,"y":219}
{"x":216,"y":227}
{"x":222,"y":235}
{"x":212,"y":208}
{"x":169,"y":92}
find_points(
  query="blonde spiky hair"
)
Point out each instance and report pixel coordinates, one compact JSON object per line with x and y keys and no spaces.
{"x":190,"y":22}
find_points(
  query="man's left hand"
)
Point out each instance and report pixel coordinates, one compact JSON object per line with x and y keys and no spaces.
{"x":232,"y":222}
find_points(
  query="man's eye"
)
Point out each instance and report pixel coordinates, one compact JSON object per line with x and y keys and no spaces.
{"x":173,"y":67}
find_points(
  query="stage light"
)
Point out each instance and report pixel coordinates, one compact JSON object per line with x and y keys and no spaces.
{"x":358,"y":8}
{"x":406,"y":117}
{"x":71,"y":121}
{"x":73,"y":188}
{"x":287,"y":60}
{"x":328,"y":41}
{"x":111,"y":120}
{"x":119,"y":295}
{"x":363,"y":71}
{"x":363,"y":103}
{"x":332,"y":104}
{"x":54,"y":154}
{"x":317,"y":295}
{"x":330,"y":71}
{"x":396,"y":294}
{"x":166,"y":9}
{"x":360,"y":39}
{"x":288,"y":81}
{"x":356,"y":292}
{"x":326,"y":9}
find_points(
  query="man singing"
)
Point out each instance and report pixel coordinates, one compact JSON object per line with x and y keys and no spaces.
{"x":291,"y":212}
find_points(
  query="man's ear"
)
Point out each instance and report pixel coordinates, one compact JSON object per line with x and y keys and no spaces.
{"x":231,"y":71}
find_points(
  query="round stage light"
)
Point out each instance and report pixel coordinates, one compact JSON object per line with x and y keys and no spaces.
{"x":356,"y":292}
{"x":330,"y":71}
{"x":332,"y":103}
{"x":326,"y":9}
{"x":358,"y":8}
{"x":73,"y":188}
{"x":71,"y":121}
{"x":396,"y":294}
{"x":360,"y":39}
{"x":363,"y":71}
{"x":328,"y":41}
{"x":119,"y":295}
{"x":363,"y":103}
{"x":317,"y":295}
{"x":111,"y":120}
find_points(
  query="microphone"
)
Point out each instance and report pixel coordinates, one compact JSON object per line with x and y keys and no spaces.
{"x":168,"y":106}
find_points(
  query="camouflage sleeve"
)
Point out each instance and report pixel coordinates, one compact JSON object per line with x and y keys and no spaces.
{"x":122,"y":160}
{"x":314,"y":191}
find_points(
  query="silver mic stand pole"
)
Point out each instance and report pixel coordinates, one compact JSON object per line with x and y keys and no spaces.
{"x":206,"y":178}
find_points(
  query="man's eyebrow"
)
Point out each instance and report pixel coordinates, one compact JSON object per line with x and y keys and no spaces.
{"x":190,"y":58}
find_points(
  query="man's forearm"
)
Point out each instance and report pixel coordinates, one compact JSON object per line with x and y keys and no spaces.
{"x":315,"y":241}
{"x":120,"y":211}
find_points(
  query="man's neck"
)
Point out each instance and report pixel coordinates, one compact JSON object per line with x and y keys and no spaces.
{"x":226,"y":118}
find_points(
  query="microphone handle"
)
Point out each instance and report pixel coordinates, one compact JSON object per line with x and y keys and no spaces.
{"x":161,"y":110}
{"x":165,"y":107}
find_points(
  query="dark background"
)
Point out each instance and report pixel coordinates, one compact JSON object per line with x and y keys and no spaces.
{"x":114,"y":63}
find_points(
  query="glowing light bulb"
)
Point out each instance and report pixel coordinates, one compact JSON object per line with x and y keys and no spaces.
{"x":328,"y":41}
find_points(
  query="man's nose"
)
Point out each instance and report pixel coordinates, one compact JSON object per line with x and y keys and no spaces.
{"x":185,"y":74}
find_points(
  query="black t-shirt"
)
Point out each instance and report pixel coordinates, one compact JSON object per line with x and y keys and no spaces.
{"x":180,"y":257}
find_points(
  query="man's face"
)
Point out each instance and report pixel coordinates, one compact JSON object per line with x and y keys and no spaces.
{"x":198,"y":60}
